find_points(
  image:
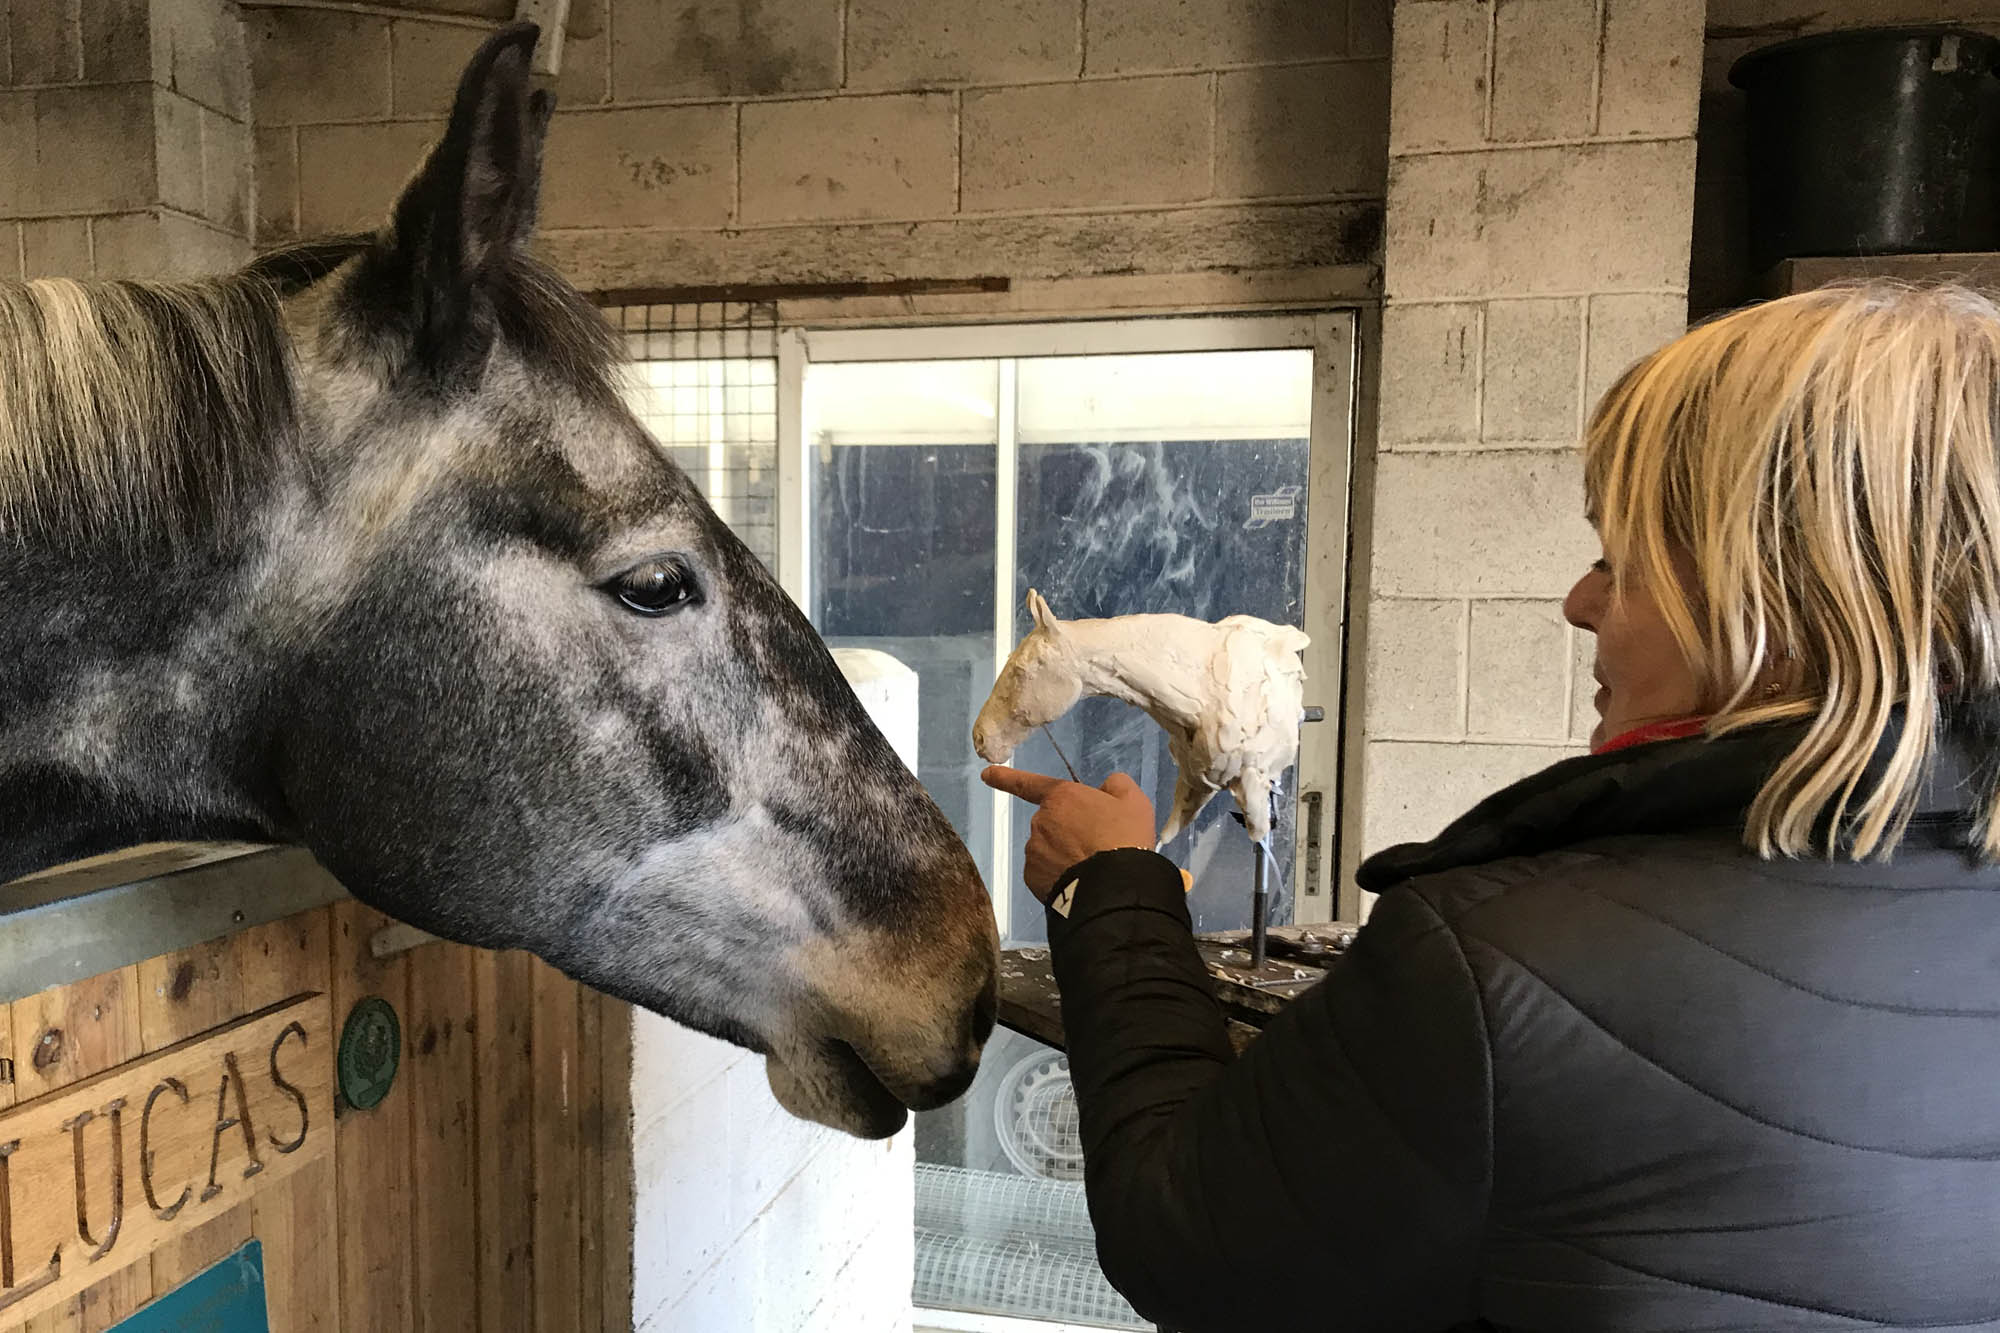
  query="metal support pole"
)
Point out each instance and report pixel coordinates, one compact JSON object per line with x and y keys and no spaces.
{"x":1260,"y":905}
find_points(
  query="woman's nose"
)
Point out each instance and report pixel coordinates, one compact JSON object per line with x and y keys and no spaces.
{"x":1586,"y":600}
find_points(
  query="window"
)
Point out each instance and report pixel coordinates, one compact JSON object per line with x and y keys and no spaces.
{"x":1143,"y":466}
{"x":704,"y":381}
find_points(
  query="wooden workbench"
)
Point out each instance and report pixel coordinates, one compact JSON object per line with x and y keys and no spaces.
{"x":1031,"y":1005}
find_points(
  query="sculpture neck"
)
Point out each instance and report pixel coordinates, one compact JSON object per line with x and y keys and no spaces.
{"x":1146,"y":661}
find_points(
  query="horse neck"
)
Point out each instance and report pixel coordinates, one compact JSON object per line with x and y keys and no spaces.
{"x":1130,"y":659}
{"x":128,"y":702}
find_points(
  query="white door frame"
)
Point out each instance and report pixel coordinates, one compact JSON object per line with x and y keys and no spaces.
{"x":1331,"y":337}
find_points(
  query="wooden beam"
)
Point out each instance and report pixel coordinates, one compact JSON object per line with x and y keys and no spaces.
{"x":752,"y":293}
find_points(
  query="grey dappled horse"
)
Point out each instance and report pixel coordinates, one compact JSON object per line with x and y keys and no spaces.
{"x":360,"y":549}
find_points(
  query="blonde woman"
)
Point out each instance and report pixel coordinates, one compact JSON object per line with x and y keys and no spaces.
{"x":1701,"y":1031}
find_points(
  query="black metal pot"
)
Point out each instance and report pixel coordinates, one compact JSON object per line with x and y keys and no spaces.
{"x":1873,"y":141}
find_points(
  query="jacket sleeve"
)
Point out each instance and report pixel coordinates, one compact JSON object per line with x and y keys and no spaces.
{"x":1337,"y":1173}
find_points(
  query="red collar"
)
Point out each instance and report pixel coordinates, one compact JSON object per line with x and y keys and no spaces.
{"x":1671,"y":730}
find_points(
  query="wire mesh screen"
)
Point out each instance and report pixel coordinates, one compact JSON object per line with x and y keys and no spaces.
{"x":1014,"y":1242}
{"x":994,"y":1206}
{"x":705,"y":382}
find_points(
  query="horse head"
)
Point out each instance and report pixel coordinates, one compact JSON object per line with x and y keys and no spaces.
{"x":1040,"y":682}
{"x":478,"y":644}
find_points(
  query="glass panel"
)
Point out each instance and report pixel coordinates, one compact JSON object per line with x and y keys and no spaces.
{"x":903,"y":547}
{"x":1170,"y":482}
{"x":1260,"y":395}
{"x":1001,"y":1222}
{"x":904,"y":402}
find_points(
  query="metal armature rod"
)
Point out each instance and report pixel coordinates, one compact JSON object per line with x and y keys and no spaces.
{"x":1260,"y":906}
{"x":1059,"y":753}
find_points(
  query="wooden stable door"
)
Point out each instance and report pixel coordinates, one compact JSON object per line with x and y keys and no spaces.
{"x":488,"y":1190}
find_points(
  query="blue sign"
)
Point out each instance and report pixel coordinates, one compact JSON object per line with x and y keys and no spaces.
{"x":228,"y":1298}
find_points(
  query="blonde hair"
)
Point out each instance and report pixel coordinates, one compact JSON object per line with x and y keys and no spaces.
{"x":134,"y":409}
{"x":1825,"y":465}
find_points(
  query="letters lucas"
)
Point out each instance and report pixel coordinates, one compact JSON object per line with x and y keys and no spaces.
{"x":99,"y":1175}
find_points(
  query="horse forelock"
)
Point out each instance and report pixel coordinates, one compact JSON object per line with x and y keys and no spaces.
{"x":515,"y":300}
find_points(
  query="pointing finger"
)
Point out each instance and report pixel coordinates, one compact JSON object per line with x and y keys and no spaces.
{"x":1032,"y":787}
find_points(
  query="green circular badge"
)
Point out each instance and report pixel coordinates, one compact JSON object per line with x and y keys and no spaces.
{"x":371,"y":1046}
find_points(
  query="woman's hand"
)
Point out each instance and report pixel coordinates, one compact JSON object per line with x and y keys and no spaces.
{"x":1074,"y":822}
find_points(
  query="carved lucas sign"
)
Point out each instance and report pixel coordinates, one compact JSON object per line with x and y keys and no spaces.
{"x":101,"y":1174}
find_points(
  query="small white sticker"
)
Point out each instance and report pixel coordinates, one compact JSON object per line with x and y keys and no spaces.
{"x":1279,"y":506}
{"x":1065,"y":897}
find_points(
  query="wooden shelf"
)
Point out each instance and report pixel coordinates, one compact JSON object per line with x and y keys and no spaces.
{"x":1974,"y":269}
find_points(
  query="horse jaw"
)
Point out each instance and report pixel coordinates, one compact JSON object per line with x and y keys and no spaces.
{"x":881,"y":1035}
{"x":833,"y":1086}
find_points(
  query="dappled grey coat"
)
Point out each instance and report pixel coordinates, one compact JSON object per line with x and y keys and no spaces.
{"x":1590,"y":1065}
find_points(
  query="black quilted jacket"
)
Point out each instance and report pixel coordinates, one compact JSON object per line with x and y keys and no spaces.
{"x":1589,"y":1066}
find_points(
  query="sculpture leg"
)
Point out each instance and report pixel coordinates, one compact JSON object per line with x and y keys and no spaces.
{"x":1189,"y":798}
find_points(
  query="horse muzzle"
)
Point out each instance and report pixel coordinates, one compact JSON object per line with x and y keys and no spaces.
{"x":995,"y":740}
{"x":831,"y":1082}
{"x":882,"y":1041}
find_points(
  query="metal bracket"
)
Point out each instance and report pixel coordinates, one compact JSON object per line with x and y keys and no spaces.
{"x":1315,"y":803}
{"x":398,"y":938}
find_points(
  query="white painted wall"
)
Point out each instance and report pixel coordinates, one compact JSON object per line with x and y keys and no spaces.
{"x":746,"y":1220}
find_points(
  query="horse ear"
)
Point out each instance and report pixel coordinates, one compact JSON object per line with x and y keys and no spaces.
{"x":474,"y":199}
{"x":1045,"y":619}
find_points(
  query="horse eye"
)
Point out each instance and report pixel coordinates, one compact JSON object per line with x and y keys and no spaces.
{"x":656,"y":587}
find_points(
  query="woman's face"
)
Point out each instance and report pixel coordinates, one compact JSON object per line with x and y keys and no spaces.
{"x":1641,"y":675}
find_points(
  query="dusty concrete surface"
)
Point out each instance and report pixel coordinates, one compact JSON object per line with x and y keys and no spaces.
{"x":125,"y":141}
{"x":712,"y":141}
{"x":1541,"y":182}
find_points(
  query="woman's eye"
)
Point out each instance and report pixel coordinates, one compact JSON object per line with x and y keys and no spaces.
{"x":1600,"y":566}
{"x":656,"y":587}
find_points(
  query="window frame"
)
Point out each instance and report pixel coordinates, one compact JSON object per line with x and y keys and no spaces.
{"x":1322,"y":891}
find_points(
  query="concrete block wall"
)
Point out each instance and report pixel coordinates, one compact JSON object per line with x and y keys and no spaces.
{"x":745,"y":1219}
{"x":1540,"y":186}
{"x":748,"y":1221}
{"x":125,"y":145}
{"x":1721,"y":275}
{"x":820,"y":140}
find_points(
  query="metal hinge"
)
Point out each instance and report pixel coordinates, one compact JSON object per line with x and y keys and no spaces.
{"x":1315,"y":803}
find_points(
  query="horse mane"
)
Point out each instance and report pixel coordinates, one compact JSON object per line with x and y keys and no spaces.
{"x":135,"y":411}
{"x":131,"y":410}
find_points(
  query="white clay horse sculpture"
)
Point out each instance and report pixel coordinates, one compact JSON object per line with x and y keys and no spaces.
{"x":1230,"y":696}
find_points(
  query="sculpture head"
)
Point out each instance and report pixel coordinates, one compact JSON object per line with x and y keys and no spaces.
{"x":1040,"y":682}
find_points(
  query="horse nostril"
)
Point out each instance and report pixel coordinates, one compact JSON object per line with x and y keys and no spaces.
{"x":951,"y":1089}
{"x":985,"y":1012}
